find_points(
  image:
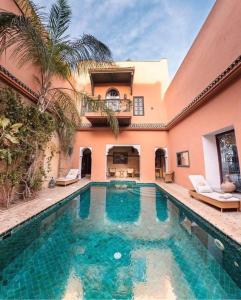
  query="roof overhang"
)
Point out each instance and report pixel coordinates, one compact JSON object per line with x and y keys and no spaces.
{"x":111,"y":76}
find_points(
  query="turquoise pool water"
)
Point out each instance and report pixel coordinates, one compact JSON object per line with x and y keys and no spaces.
{"x":106,"y":243}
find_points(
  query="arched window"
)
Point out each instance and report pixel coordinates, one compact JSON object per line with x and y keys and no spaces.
{"x":112,"y":94}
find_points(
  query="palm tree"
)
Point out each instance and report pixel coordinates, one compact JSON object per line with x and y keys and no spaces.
{"x":43,"y":40}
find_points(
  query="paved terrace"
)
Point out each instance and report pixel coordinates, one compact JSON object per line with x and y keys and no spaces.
{"x":19,"y":213}
{"x":227,"y":222}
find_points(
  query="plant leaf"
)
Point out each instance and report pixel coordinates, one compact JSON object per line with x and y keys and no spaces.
{"x":4,"y":122}
{"x":11,"y":138}
{"x":17,"y":125}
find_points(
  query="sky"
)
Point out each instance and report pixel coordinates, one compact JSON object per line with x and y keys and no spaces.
{"x":140,"y":29}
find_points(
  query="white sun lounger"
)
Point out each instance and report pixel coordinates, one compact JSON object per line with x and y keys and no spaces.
{"x":70,"y":178}
{"x":203,"y":192}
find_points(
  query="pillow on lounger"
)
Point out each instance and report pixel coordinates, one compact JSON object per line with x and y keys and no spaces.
{"x":226,"y":196}
{"x":204,"y":189}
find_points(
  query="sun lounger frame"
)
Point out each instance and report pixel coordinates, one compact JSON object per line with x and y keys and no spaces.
{"x":221,"y":204}
{"x":64,"y":182}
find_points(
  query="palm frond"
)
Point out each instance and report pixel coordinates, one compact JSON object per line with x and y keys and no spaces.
{"x":28,"y":39}
{"x":32,"y":10}
{"x":66,"y":101}
{"x":113,"y":122}
{"x":86,"y":52}
{"x":59,"y":20}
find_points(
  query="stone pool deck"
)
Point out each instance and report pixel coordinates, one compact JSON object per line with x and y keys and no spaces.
{"x":17,"y":214}
{"x":227,"y":222}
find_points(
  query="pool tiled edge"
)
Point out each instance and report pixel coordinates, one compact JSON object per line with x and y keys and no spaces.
{"x":227,"y":222}
{"x":17,"y":215}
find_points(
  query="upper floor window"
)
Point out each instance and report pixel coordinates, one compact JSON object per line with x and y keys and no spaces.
{"x":112,"y":94}
{"x":138,"y":106}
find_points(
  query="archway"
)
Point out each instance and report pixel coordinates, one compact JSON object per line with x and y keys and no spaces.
{"x":123,"y":161}
{"x":160,"y":163}
{"x":112,"y":93}
{"x":86,"y":164}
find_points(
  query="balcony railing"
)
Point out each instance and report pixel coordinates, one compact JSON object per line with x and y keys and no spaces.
{"x":116,"y":105}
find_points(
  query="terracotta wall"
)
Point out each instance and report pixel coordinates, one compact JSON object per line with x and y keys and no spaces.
{"x":221,"y":112}
{"x":214,"y":49}
{"x":97,"y":140}
{"x":27,"y":72}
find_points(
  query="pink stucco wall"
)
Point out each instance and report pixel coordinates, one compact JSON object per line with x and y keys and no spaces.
{"x":97,"y":140}
{"x":214,"y":49}
{"x":221,"y":112}
{"x":27,"y":72}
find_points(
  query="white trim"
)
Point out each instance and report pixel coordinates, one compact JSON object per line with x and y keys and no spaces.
{"x":211,"y":163}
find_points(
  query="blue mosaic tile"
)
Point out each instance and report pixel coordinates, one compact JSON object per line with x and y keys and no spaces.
{"x":102,"y":243}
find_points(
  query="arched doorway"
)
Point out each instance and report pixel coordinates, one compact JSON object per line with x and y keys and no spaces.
{"x":123,"y":161}
{"x":86,"y":164}
{"x":160,"y":163}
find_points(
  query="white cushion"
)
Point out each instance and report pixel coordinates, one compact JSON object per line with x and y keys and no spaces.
{"x":226,"y":196}
{"x":73,"y":173}
{"x":204,"y":189}
{"x":199,"y":182}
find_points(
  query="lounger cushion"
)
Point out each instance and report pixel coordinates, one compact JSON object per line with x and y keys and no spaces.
{"x":220,"y":197}
{"x":200,"y":184}
{"x":64,"y":179}
{"x":204,"y":189}
{"x":226,"y":196}
{"x":73,"y":173}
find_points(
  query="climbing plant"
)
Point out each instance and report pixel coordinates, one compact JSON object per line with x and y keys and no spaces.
{"x":43,"y":39}
{"x":24,"y":134}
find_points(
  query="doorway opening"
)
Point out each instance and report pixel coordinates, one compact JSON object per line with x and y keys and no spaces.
{"x":160,"y":163}
{"x":86,"y":164}
{"x":123,"y":162}
{"x":228,"y":157}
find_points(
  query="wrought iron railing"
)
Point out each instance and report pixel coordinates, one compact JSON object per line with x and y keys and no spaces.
{"x":115,"y":105}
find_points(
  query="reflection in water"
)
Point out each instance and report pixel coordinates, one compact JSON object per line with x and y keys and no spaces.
{"x":123,"y":205}
{"x":71,"y":253}
{"x":84,"y":204}
{"x":161,"y":206}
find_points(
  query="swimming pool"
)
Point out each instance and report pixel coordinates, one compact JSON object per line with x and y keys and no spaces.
{"x":119,"y":241}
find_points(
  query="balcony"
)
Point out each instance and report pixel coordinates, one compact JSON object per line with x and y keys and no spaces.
{"x":95,"y":111}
